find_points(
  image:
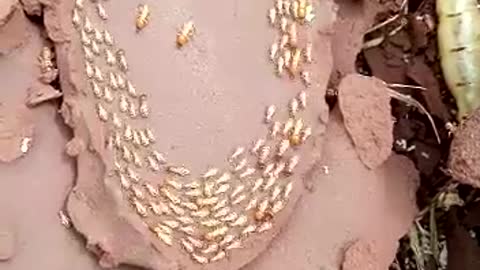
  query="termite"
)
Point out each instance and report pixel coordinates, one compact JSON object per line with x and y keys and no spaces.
{"x":234,"y":245}
{"x":251,"y":204}
{"x":273,"y":51}
{"x":237,"y":190}
{"x":280,"y":65}
{"x":249,"y":229}
{"x":240,"y":221}
{"x":458,"y":42}
{"x":268,"y":169}
{"x":153,"y":191}
{"x":237,"y":152}
{"x":107,"y":37}
{"x":278,"y":206}
{"x":287,"y":56}
{"x":131,"y":90}
{"x":248,"y":172}
{"x":187,"y":245}
{"x":199,"y":259}
{"x":279,"y":6}
{"x":102,"y":113}
{"x":288,"y":126}
{"x":272,"y":15}
{"x":240,"y":198}
{"x":224,"y":178}
{"x":188,"y":230}
{"x":294,"y":9}
{"x":230,"y":217}
{"x":240,"y":165}
{"x":257,"y":144}
{"x":283,"y":147}
{"x":97,"y":91}
{"x":76,"y":18}
{"x":274,"y":129}
{"x":179,"y":211}
{"x":121,"y":81}
{"x":264,"y":227}
{"x":302,"y":5}
{"x":195,"y":242}
{"x":174,"y":184}
{"x":269,"y":113}
{"x":186,"y":220}
{"x":64,"y":219}
{"x":79,"y":4}
{"x":122,"y":60}
{"x":227,"y":239}
{"x":284,"y":41}
{"x":257,"y":184}
{"x":286,"y":7}
{"x":292,"y":163}
{"x":295,"y":137}
{"x":221,"y":231}
{"x":283,"y":24}
{"x":140,"y":208}
{"x":305,"y":76}
{"x":178,"y":170}
{"x":308,"y":52}
{"x":107,"y":94}
{"x":185,"y":34}
{"x":87,"y":25}
{"x":112,"y":81}
{"x":95,"y":47}
{"x":210,"y":249}
{"x":287,"y":190}
{"x":292,"y":32}
{"x":97,"y":74}
{"x":295,"y":61}
{"x":166,"y":238}
{"x":101,"y":12}
{"x":306,"y":133}
{"x":263,"y":154}
{"x":210,"y":173}
{"x":143,"y":17}
{"x":98,"y":35}
{"x":222,"y":189}
{"x":293,"y":107}
{"x":222,"y":212}
{"x":302,"y":99}
{"x":84,"y":38}
{"x":220,"y":255}
{"x":275,"y":193}
{"x":88,"y":54}
{"x":270,"y":181}
{"x":220,"y":204}
{"x":208,"y":188}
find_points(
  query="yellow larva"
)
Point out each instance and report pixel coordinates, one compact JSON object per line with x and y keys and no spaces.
{"x":460,"y":54}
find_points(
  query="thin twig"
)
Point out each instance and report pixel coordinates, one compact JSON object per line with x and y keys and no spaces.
{"x":389,"y":20}
{"x":411,"y":101}
{"x":399,"y":85}
{"x":373,"y":43}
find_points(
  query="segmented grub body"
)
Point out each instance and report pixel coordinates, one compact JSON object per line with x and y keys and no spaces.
{"x":459,"y":48}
